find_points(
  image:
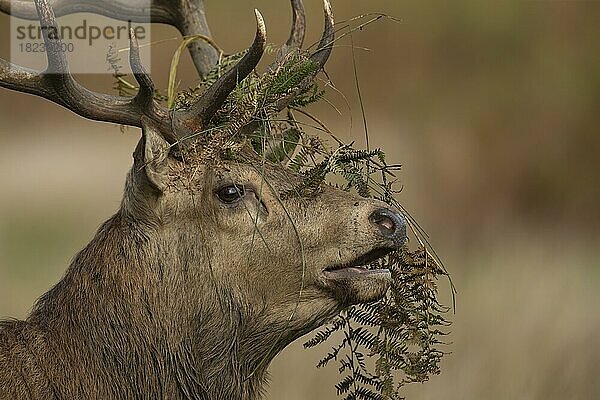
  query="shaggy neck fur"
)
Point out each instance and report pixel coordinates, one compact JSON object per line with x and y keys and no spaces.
{"x":125,"y":322}
{"x":141,"y":313}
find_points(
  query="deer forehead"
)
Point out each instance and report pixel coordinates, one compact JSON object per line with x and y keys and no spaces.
{"x":263,"y":177}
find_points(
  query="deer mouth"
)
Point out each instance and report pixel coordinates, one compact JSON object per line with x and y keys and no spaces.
{"x":361,"y":280}
{"x":361,"y":265}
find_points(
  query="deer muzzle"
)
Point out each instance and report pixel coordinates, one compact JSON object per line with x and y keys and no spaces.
{"x":363,"y":279}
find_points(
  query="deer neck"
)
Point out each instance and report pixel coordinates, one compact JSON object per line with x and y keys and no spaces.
{"x":141,"y":328}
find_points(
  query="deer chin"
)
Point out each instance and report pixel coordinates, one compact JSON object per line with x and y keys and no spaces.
{"x":355,"y":282}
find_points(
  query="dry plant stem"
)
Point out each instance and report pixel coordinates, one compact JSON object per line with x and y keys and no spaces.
{"x":362,"y":106}
{"x":318,"y":121}
{"x":187,"y":41}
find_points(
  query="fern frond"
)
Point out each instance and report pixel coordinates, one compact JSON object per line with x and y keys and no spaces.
{"x":321,"y":336}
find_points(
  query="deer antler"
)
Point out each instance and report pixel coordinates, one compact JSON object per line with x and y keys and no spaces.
{"x":213,"y":98}
{"x":326,"y":44}
{"x":296,"y":38}
{"x":185,"y":15}
{"x":58,"y":85}
{"x":320,"y":56}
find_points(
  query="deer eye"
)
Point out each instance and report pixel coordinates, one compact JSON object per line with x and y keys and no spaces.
{"x":231,"y":194}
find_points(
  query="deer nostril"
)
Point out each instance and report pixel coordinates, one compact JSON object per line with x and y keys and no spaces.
{"x":386,"y":224}
{"x":391,"y":224}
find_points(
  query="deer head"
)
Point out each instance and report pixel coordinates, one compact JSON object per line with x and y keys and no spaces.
{"x":220,"y":263}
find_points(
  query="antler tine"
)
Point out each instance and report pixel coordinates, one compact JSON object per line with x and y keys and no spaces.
{"x":326,"y":44}
{"x":320,"y":56}
{"x":185,"y":15}
{"x":198,"y":115}
{"x":296,"y":38}
{"x":58,"y":85}
{"x":57,"y":60}
{"x":144,"y":99}
{"x":145,"y":95}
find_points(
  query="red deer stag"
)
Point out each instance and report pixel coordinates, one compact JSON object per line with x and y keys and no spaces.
{"x":170,"y":300}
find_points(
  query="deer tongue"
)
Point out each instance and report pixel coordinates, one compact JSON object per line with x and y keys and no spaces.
{"x":352,"y":272}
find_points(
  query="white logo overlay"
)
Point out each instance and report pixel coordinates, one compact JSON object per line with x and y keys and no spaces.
{"x":92,"y":43}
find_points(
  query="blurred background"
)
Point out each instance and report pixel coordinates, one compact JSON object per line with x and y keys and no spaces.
{"x":493,"y":109}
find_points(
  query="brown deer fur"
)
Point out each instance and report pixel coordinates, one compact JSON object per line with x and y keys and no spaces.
{"x":180,"y":296}
{"x":186,"y":293}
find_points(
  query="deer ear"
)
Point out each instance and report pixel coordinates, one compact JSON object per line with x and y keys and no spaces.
{"x":152,"y":156}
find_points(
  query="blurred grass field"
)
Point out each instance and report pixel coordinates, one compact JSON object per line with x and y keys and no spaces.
{"x":492,"y":108}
